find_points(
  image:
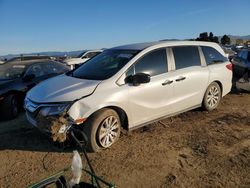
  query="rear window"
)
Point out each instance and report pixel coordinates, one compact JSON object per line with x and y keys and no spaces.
{"x":186,"y":56}
{"x":212,"y":56}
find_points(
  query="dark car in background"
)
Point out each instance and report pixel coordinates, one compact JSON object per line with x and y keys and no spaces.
{"x":241,"y":64}
{"x":17,"y":77}
{"x":28,"y":58}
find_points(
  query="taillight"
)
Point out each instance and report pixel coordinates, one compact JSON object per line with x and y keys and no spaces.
{"x":229,"y":66}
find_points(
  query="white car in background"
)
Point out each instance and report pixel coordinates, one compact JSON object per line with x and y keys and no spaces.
{"x":82,"y":58}
{"x":131,"y":86}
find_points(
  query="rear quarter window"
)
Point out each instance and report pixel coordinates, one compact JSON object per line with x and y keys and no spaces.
{"x":212,"y":55}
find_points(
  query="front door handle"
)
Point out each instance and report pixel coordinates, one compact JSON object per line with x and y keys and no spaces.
{"x":167,"y":82}
{"x":180,"y":78}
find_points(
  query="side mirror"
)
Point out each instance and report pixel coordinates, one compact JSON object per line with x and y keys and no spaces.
{"x":137,"y":79}
{"x":28,"y":77}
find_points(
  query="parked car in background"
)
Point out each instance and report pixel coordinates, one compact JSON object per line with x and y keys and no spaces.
{"x":229,"y":52}
{"x":83,"y":57}
{"x":130,"y":86}
{"x":26,"y":58}
{"x":1,"y":62}
{"x":243,"y":84}
{"x":17,"y":77}
{"x":241,"y":63}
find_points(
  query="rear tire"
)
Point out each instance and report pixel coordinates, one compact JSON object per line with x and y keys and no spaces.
{"x":9,"y":107}
{"x":212,"y":97}
{"x":102,"y":129}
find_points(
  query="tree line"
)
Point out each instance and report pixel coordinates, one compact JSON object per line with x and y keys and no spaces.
{"x":211,"y":38}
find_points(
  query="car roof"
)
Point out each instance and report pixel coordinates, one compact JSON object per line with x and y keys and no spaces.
{"x":136,"y":46}
{"x":31,"y":57}
{"x":159,"y":44}
{"x":28,"y":62}
{"x":142,"y":46}
{"x":97,"y":50}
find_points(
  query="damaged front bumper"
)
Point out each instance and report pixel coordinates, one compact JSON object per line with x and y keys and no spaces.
{"x":55,"y":126}
{"x":51,"y":119}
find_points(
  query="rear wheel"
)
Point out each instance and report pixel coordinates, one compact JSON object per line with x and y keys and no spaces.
{"x":10,"y":107}
{"x":212,"y":97}
{"x":102,"y":129}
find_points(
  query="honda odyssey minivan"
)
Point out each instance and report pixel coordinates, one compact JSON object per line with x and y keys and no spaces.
{"x":131,"y":86}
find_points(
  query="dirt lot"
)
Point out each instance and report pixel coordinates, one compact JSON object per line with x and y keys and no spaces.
{"x":194,"y":149}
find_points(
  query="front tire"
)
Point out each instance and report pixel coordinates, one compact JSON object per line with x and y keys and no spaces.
{"x":102,"y":129}
{"x":212,"y":97}
{"x":10,"y":107}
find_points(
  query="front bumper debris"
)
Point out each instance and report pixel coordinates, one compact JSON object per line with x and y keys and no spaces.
{"x":56,"y":126}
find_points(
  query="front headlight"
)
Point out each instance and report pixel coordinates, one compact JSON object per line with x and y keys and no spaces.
{"x":54,"y":110}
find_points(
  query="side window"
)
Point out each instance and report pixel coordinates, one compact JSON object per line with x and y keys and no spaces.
{"x":186,"y":56}
{"x":36,"y":69}
{"x":212,"y":55}
{"x":54,"y":68}
{"x":244,"y":55}
{"x":153,"y":63}
{"x":248,"y":57}
{"x":240,"y":54}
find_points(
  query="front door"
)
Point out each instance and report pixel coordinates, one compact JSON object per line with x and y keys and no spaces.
{"x":151,"y":100}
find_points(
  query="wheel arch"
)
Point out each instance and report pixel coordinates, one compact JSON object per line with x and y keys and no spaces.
{"x":216,"y":81}
{"x":220,"y":84}
{"x":18,"y":94}
{"x":121,"y":113}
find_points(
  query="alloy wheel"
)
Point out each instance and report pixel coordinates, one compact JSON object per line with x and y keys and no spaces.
{"x":213,"y":96}
{"x":108,"y":131}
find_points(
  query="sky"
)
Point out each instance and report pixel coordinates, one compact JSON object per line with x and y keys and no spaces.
{"x":66,"y":25}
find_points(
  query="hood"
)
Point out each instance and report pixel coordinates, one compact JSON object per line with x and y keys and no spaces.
{"x":62,"y":88}
{"x":73,"y":61}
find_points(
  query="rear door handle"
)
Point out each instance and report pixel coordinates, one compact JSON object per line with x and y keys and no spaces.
{"x":180,"y":78}
{"x":167,"y":82}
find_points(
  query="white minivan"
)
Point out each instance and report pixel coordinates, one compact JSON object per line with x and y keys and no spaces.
{"x":131,"y":86}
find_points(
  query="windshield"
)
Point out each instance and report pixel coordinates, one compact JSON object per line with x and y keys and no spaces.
{"x":104,"y":65}
{"x":11,"y":71}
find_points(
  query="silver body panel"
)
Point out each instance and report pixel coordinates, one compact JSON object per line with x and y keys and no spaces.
{"x":143,"y":103}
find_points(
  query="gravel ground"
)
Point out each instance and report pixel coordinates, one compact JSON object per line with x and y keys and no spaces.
{"x":194,"y":149}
